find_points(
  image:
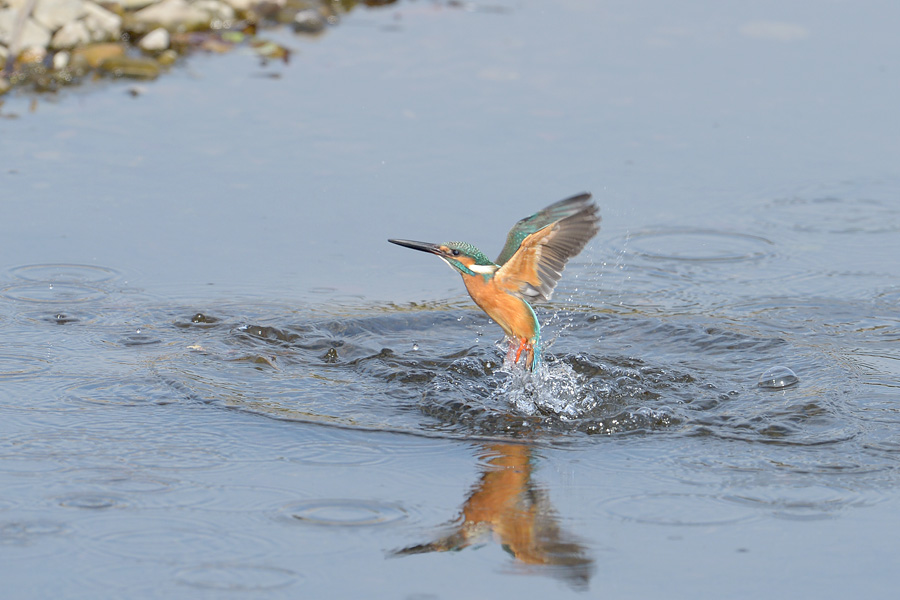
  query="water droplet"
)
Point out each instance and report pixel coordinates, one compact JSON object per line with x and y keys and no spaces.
{"x":415,"y":346}
{"x":777,"y":378}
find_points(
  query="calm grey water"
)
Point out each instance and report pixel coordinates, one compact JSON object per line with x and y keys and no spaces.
{"x":217,"y":378}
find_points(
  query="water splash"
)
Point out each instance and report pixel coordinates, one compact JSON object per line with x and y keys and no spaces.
{"x":553,"y":389}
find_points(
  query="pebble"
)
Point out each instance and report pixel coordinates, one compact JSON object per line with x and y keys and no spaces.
{"x":33,"y":34}
{"x":241,"y":5}
{"x":308,"y":21}
{"x":60,"y":60}
{"x":167,"y":57}
{"x":95,"y":54}
{"x":77,"y":36}
{"x":125,"y":66}
{"x":70,"y":35}
{"x":174,"y":15}
{"x":32,"y":55}
{"x":155,"y":41}
{"x":53,"y":14}
{"x":103,"y":24}
{"x":220,"y":13}
{"x":135,"y":4}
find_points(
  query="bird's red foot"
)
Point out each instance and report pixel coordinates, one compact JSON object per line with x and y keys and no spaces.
{"x":522,"y":346}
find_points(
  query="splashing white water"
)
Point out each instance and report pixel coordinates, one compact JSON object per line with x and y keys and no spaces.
{"x":553,"y":389}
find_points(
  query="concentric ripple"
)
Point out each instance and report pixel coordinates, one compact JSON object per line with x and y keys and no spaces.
{"x":169,"y":538}
{"x":60,"y":293}
{"x":236,"y":577}
{"x":64,"y":273}
{"x":677,"y":509}
{"x":90,"y":501}
{"x":344,"y":512}
{"x":697,"y":245}
{"x":17,"y":365}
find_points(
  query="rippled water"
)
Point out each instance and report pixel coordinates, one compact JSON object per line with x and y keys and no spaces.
{"x":119,"y":405}
{"x":219,"y":379}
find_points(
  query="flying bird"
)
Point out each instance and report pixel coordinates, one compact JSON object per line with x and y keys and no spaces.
{"x":527,"y":270}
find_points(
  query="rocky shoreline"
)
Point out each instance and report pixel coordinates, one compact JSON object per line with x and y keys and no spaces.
{"x":48,"y":44}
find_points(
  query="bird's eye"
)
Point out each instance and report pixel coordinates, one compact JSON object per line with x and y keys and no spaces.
{"x":454,"y":252}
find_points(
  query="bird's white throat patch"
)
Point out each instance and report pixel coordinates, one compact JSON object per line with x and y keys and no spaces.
{"x":480,"y":269}
{"x":483,"y":269}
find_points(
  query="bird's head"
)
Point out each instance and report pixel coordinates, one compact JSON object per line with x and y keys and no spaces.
{"x":464,"y":258}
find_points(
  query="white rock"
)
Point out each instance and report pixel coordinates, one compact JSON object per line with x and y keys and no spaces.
{"x":242,"y":4}
{"x":173,"y":15}
{"x":60,"y":60}
{"x":70,"y":35}
{"x":103,"y":24}
{"x":7,"y":22}
{"x":217,"y":11}
{"x":33,"y":54}
{"x":33,"y":34}
{"x":53,"y":14}
{"x":135,"y":4}
{"x":308,"y":21}
{"x":155,"y":41}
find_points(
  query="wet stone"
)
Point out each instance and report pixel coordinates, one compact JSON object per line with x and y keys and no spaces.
{"x":95,"y":54}
{"x":58,"y":44}
{"x":33,"y":55}
{"x":135,"y":68}
{"x":135,"y":4}
{"x":308,"y":21}
{"x":167,"y":58}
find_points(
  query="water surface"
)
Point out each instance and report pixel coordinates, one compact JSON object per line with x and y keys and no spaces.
{"x":218,"y":376}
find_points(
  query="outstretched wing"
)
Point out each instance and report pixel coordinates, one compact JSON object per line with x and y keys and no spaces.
{"x":534,"y":269}
{"x":553,"y":213}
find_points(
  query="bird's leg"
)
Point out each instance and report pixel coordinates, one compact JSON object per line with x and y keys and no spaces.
{"x":522,"y":346}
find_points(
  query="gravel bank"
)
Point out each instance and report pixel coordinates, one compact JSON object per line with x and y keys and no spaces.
{"x":46,"y":44}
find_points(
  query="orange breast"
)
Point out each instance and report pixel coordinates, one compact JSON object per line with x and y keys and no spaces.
{"x":511,"y":313}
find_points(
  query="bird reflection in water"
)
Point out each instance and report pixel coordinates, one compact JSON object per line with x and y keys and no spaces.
{"x":507,"y":505}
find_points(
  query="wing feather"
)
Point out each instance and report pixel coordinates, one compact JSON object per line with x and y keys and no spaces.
{"x":529,"y":225}
{"x":533,"y":271}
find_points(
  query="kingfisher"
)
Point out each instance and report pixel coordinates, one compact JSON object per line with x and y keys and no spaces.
{"x":527,"y":270}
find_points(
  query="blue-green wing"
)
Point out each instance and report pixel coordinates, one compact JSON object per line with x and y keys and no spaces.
{"x":553,"y":213}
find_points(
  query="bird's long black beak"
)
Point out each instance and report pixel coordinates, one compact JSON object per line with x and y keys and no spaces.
{"x":422,"y":246}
